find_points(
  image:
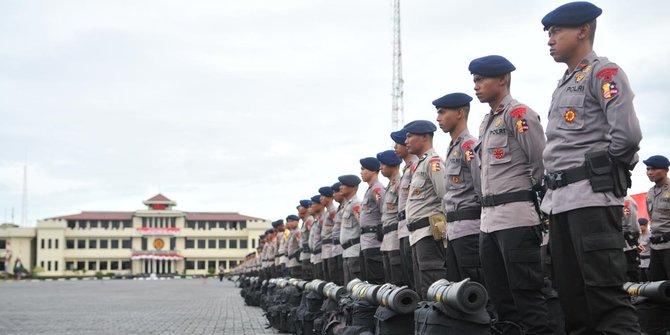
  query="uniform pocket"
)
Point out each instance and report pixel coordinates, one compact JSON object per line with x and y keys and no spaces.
{"x":604,"y":261}
{"x":416,"y":188}
{"x":525,"y":269}
{"x":498,"y":149}
{"x":571,"y":112}
{"x":347,"y":220}
{"x":454,"y":174}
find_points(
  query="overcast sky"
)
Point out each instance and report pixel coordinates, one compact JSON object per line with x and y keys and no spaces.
{"x":249,"y":106}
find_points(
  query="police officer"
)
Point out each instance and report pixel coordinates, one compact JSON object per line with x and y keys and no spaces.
{"x":645,"y":249}
{"x":405,"y":249}
{"x":372,"y":268}
{"x":350,"y":227}
{"x":327,"y":219}
{"x":280,"y":256}
{"x":592,"y":130}
{"x":631,"y":235}
{"x":268,"y":254}
{"x":315,"y":237}
{"x":511,"y":141}
{"x":305,"y":254}
{"x":461,"y":202}
{"x":336,"y":263}
{"x":658,"y":207}
{"x":426,"y":221}
{"x":390,"y":247}
{"x":293,"y":247}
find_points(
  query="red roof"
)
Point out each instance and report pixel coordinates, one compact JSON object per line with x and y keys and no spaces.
{"x":159,"y":197}
{"x":97,"y":216}
{"x":195,"y":216}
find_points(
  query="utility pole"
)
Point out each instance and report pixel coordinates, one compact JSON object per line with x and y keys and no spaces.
{"x":397,"y":111}
{"x":24,"y":203}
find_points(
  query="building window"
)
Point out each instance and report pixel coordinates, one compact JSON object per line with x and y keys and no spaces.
{"x":125,"y":265}
{"x":42,"y":264}
{"x":173,"y":243}
{"x":211,"y":265}
{"x":69,"y":266}
{"x":81,"y":244}
{"x":125,"y":244}
{"x":94,"y":224}
{"x":91,"y":265}
{"x":144,"y":243}
{"x":201,"y":265}
{"x":56,"y":243}
{"x":49,"y":266}
{"x":127,"y":224}
{"x":244,"y":244}
{"x":103,"y":265}
{"x":81,"y":265}
{"x":211,"y":244}
{"x":190,"y":224}
{"x":114,"y":244}
{"x":223,"y":224}
{"x":104,"y":224}
{"x":103,"y":244}
{"x":190,"y":265}
{"x":42,"y":244}
{"x":92,"y":244}
{"x":243,"y":224}
{"x":116,"y":224}
{"x":201,"y":225}
{"x":201,"y":244}
{"x":233,"y":263}
{"x":224,"y":263}
{"x":233,"y":244}
{"x":233,"y":225}
{"x":55,"y":265}
{"x":3,"y":244}
{"x":71,"y":224}
{"x":82,"y":224}
{"x":113,"y":265}
{"x":222,"y":244}
{"x":253,"y":243}
{"x":69,"y":244}
{"x":49,"y":243}
{"x":173,"y":222}
{"x":189,"y":244}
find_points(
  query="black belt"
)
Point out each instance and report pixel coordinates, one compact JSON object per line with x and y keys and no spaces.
{"x":327,"y":241}
{"x":316,"y":251}
{"x":466,"y":214}
{"x":390,"y":228}
{"x":350,"y":243}
{"x":280,"y":255}
{"x":402,"y":215}
{"x":418,"y":224}
{"x":305,"y":248}
{"x":370,"y":229}
{"x":644,"y":256}
{"x":505,"y":198}
{"x":295,"y":255}
{"x":336,"y":241}
{"x":562,"y":178}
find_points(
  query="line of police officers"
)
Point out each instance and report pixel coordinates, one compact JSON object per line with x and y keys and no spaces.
{"x":477,"y":214}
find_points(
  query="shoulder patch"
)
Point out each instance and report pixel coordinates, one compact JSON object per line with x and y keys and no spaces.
{"x":468,"y":145}
{"x":607,"y":73}
{"x":357,"y":209}
{"x":518,"y":112}
{"x":435,"y":159}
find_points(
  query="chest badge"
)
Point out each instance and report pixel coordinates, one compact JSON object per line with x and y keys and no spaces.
{"x":498,"y":153}
{"x":416,"y":191}
{"x":570,"y":115}
{"x":454,"y":179}
{"x":498,"y":122}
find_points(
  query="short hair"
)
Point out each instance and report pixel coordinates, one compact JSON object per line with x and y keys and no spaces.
{"x":592,"y":30}
{"x":466,"y":110}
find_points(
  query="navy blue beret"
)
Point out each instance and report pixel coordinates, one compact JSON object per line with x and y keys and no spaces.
{"x":491,"y":66}
{"x":420,"y":127}
{"x":292,"y":217}
{"x":399,"y":136}
{"x":370,"y":163}
{"x":452,"y":100}
{"x":336,"y":187}
{"x":269,"y":231}
{"x":277,"y":223}
{"x":261,"y":236}
{"x":572,"y":14}
{"x":305,"y":203}
{"x":642,"y":221}
{"x":316,"y":199}
{"x":658,"y":161}
{"x":389,"y":158}
{"x":349,"y":180}
{"x":326,"y":191}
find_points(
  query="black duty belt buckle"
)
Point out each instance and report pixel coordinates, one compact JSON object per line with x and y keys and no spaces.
{"x":555,"y":180}
{"x":402,"y":215}
{"x":487,"y":201}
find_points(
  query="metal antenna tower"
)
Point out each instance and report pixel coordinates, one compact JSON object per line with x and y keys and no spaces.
{"x":24,"y":204}
{"x":397,"y":112}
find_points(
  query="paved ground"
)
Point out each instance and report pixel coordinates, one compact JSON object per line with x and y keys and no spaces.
{"x":186,"y":306}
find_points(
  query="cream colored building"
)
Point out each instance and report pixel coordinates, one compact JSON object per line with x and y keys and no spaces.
{"x":158,"y":239}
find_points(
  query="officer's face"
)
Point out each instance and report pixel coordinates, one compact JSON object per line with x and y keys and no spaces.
{"x":345,"y":190}
{"x":487,"y":89}
{"x":447,"y":119}
{"x":563,"y":42}
{"x":656,"y":174}
{"x":400,"y":150}
{"x":414,"y":143}
{"x":337,"y":196}
{"x":386,"y":170}
{"x":302,"y":211}
{"x":366,"y":174}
